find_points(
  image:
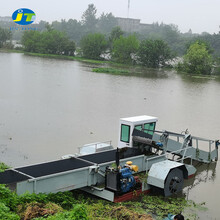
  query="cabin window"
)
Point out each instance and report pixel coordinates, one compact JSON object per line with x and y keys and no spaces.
{"x":149,"y":128}
{"x":138,"y":127}
{"x":125,"y":133}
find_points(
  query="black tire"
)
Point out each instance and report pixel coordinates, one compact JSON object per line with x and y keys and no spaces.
{"x":174,"y":182}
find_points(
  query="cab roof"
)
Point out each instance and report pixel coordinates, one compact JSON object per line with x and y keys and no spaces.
{"x":141,"y":118}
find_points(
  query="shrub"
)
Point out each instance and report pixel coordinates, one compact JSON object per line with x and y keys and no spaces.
{"x":6,"y":214}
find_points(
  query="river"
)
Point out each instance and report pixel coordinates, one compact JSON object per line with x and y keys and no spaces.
{"x":50,"y":107}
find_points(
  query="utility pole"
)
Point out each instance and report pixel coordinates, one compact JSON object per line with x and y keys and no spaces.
{"x":128,"y":8}
{"x":128,"y":23}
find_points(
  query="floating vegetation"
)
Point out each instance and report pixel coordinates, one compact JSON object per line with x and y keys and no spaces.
{"x":160,"y":206}
{"x":111,"y":70}
{"x":203,"y":77}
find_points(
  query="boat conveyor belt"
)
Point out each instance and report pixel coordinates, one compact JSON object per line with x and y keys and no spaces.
{"x":62,"y":175}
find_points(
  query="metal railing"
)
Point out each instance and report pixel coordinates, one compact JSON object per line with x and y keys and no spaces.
{"x":167,"y":154}
{"x":193,"y":139}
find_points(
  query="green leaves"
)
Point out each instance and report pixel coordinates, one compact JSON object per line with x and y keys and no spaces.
{"x":4,"y":36}
{"x":77,"y":213}
{"x":125,"y":48}
{"x":162,"y":206}
{"x":48,"y":42}
{"x":5,"y":213}
{"x":89,"y":19}
{"x":93,"y":45}
{"x":78,"y":206}
{"x":116,"y":33}
{"x":8,"y":198}
{"x":3,"y":167}
{"x":197,"y":60}
{"x":111,"y":70}
{"x":154,"y":53}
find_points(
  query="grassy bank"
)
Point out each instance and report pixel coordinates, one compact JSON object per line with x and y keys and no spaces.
{"x":116,"y":68}
{"x":10,"y":50}
{"x":75,"y":205}
{"x":55,"y":56}
{"x":63,"y":57}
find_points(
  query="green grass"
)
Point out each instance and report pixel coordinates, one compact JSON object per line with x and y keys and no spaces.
{"x":91,"y":61}
{"x":203,"y":77}
{"x":63,"y":57}
{"x":54,"y":56}
{"x":111,"y":70}
{"x":10,"y":50}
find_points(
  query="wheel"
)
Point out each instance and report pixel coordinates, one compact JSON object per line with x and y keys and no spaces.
{"x":174,"y":182}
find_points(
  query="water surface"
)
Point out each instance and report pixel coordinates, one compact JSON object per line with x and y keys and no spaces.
{"x":50,"y":107}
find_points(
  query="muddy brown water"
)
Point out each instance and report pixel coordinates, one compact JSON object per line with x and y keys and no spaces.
{"x":50,"y":107}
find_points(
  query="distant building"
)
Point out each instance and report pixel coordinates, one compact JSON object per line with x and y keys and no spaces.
{"x":131,"y":24}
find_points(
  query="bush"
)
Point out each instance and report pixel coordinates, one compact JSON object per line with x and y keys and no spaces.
{"x":10,"y":199}
{"x":77,"y":213}
{"x":197,"y":60}
{"x":64,"y":199}
{"x":3,"y":167}
{"x":6,"y":214}
{"x":154,"y":53}
{"x":93,"y":45}
{"x":28,"y":198}
{"x":48,"y":42}
{"x":124,"y":48}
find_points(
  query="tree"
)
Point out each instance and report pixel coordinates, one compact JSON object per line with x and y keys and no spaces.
{"x":93,"y":45}
{"x":89,"y":19}
{"x":116,"y":33}
{"x":69,"y":48}
{"x":125,"y":48}
{"x":32,"y":41}
{"x":154,"y":53}
{"x":48,"y":42}
{"x":197,"y":60}
{"x":4,"y":36}
{"x":200,"y":41}
{"x":73,"y":28}
{"x":106,"y":22}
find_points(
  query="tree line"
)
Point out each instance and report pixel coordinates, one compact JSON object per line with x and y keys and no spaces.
{"x":152,"y":53}
{"x":48,"y":42}
{"x":99,"y":37}
{"x":92,"y":23}
{"x":118,"y":47}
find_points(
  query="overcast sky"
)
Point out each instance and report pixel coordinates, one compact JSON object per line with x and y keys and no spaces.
{"x":199,"y":15}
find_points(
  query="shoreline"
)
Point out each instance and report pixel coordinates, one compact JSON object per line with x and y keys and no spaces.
{"x":113,"y":68}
